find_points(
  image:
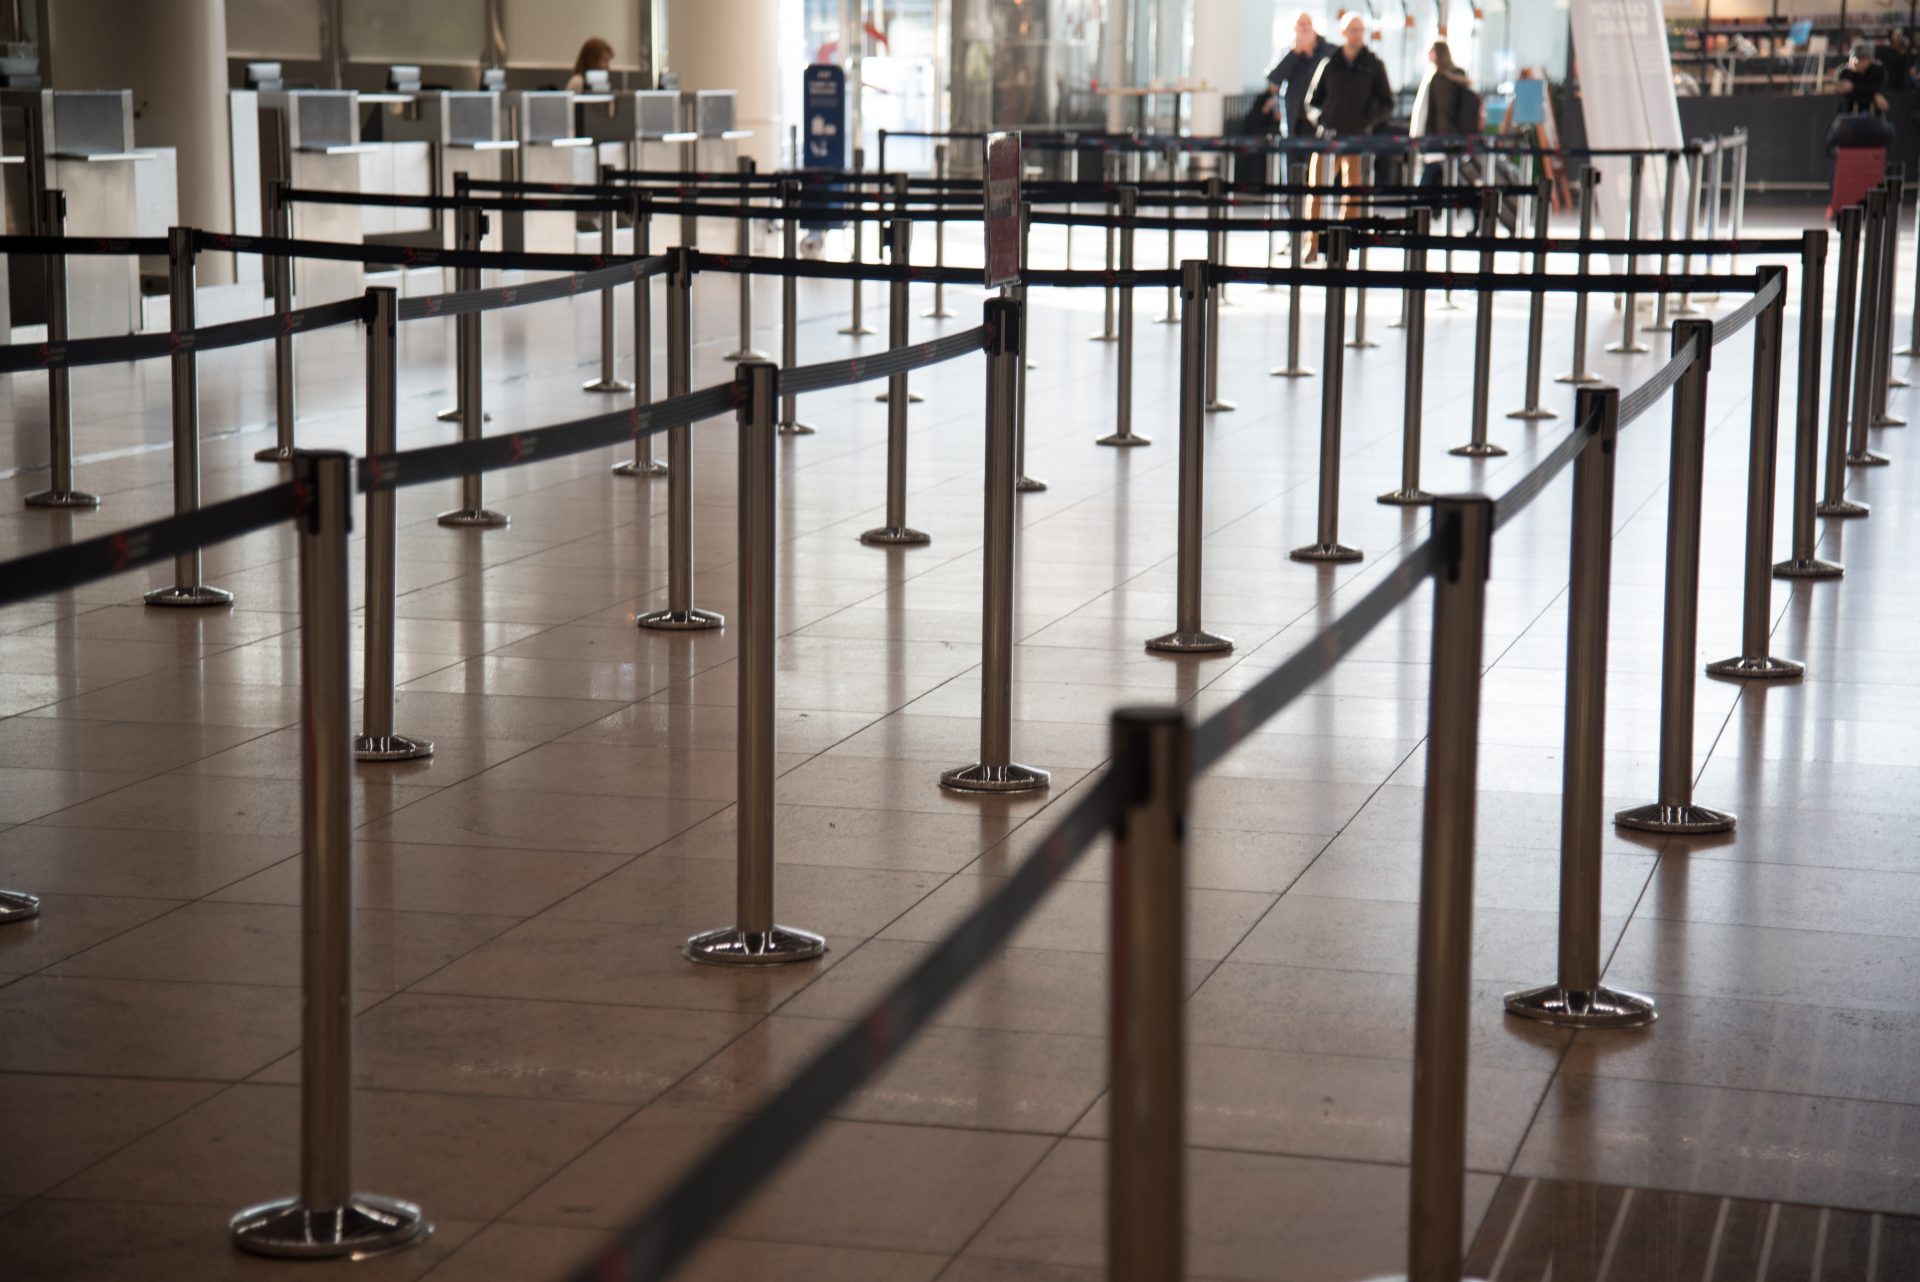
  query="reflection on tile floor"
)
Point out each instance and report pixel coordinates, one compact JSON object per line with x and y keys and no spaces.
{"x":536,"y":1060}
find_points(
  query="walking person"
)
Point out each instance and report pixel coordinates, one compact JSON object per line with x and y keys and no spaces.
{"x":1349,"y":98}
{"x":1290,"y":78}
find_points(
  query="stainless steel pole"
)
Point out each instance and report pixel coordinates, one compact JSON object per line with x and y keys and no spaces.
{"x":1883,"y":379}
{"x":1171,"y":211}
{"x":280,"y":267}
{"x":1630,"y":303}
{"x":1108,"y":333}
{"x":1188,"y":636}
{"x":1463,"y":527}
{"x":188,"y":588}
{"x":858,"y":326}
{"x":59,"y":492}
{"x":755,"y":939}
{"x":939,"y":309}
{"x":996,"y":770}
{"x":1913,"y":339}
{"x":1122,"y":435}
{"x":1024,"y":484}
{"x":379,"y":742}
{"x":1360,"y":339}
{"x":1866,"y":357}
{"x":743,"y":245}
{"x":1661,"y":323}
{"x":1327,"y":546}
{"x":1410,"y":494}
{"x":473,"y":512}
{"x":680,"y":614}
{"x":1803,"y":564}
{"x":1675,"y":812}
{"x":1533,"y":410}
{"x":643,"y":463}
{"x":1695,"y":199}
{"x":897,"y":289}
{"x":1293,"y":368}
{"x":1216,"y":240}
{"x":1577,"y":998}
{"x":328,"y":1219}
{"x":1580,"y":374}
{"x":1146,"y":1046}
{"x":896,"y":532}
{"x":609,"y":380}
{"x":790,"y":423}
{"x":1836,"y":503}
{"x":1478,"y":446}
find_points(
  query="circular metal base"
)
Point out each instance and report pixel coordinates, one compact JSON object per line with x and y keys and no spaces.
{"x":1406,"y":498}
{"x":1579,"y":379}
{"x":1533,"y":414}
{"x":193,"y":597}
{"x":1485,"y":449}
{"x":1888,"y":420}
{"x":1866,"y":458}
{"x":937,"y":313}
{"x":1762,"y":667}
{"x":1290,"y":371}
{"x":1660,"y":328}
{"x":451,"y":414}
{"x":913,"y":398}
{"x":1686,"y":821}
{"x":979,"y":777}
{"x":1103,"y":338}
{"x":895,"y":536}
{"x":1123,"y":439}
{"x":1896,"y":381}
{"x":1841,"y":508}
{"x":390,"y":747}
{"x":607,"y":385}
{"x":1601,"y":1007}
{"x":1627,"y":349}
{"x":1167,"y":320}
{"x":1329,"y":552}
{"x":276,"y":454}
{"x":17,"y":905}
{"x":366,"y":1225}
{"x":468,"y":518}
{"x":857,"y":331}
{"x":746,"y":354}
{"x":795,"y":428}
{"x":1359,"y":346}
{"x":694,"y":620}
{"x":1028,"y":485}
{"x":63,"y":498}
{"x":1220,"y":407}
{"x":731,"y":946}
{"x":1813,"y":568}
{"x":634,"y":468}
{"x":1190,"y":643}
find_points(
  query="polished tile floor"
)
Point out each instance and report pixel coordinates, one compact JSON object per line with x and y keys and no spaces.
{"x":535,"y":1059}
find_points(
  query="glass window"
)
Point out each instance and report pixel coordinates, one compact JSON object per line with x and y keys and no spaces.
{"x":419,"y":31}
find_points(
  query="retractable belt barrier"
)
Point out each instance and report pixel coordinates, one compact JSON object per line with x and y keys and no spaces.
{"x":76,"y":352}
{"x":498,"y":204}
{"x":155,"y":245}
{"x":396,"y":255}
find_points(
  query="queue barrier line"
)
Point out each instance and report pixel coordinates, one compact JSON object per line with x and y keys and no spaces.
{"x":70,"y":245}
{"x":76,"y":352}
{"x":397,"y":255}
{"x":1491,"y":282}
{"x":459,"y":303}
{"x":493,"y":204}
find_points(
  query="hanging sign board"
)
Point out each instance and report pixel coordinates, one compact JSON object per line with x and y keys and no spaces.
{"x":1002,"y":193}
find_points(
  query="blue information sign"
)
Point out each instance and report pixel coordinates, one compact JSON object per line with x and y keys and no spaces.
{"x":823,"y":130}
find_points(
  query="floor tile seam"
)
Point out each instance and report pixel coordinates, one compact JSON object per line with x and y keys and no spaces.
{"x":222,"y":1085}
{"x":1843,"y":1208}
{"x":1663,"y":1079}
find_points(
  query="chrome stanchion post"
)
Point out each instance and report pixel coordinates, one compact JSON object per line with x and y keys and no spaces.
{"x":1216,"y":241}
{"x":643,"y":462}
{"x":1660,"y":321}
{"x":1108,"y":333}
{"x":755,"y":939}
{"x":680,"y":613}
{"x":328,"y":1219}
{"x":1716,"y":188}
{"x":996,"y":770}
{"x":790,"y":423}
{"x":1803,"y":564}
{"x":1188,"y":636}
{"x":59,"y":491}
{"x":939,"y":309}
{"x":187,"y":589}
{"x":1293,"y":368}
{"x":1533,"y":410}
{"x":378,"y":742}
{"x":1835,"y":501}
{"x":1754,"y":661}
{"x":461,"y":278}
{"x":1630,"y":303}
{"x":1360,"y":339}
{"x":1410,"y":494}
{"x":1675,"y":812}
{"x":1913,"y":339}
{"x":896,"y":532}
{"x":473,"y":512}
{"x":897,"y":289}
{"x":1883,"y":379}
{"x":1478,"y":446}
{"x":1122,"y":434}
{"x":609,"y":380}
{"x":858,"y":326}
{"x":743,"y":245}
{"x":1577,"y":998}
{"x":1146,"y":1046}
{"x":1173,"y":232}
{"x":1327,"y":545}
{"x":1580,"y":374}
{"x":280,"y":268}
{"x":1024,"y":484}
{"x":1695,"y":199}
{"x":1866,"y":357}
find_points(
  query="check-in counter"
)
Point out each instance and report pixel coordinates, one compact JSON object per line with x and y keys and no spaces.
{"x":552,"y":150}
{"x":710,"y":116}
{"x":461,"y":132}
{"x":640,"y":129}
{"x":87,"y":150}
{"x":310,"y":139}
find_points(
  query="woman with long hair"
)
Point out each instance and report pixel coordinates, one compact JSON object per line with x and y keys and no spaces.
{"x":595,"y":55}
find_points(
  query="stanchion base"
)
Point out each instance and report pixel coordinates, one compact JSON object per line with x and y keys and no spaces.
{"x":1759,"y":667}
{"x":1190,"y":643}
{"x":1290,"y":371}
{"x":1685,"y":821}
{"x":1888,"y":420}
{"x":913,"y":398}
{"x":1582,"y":1008}
{"x":189,"y":597}
{"x":937,"y":313}
{"x":607,"y":385}
{"x":1896,"y":381}
{"x":467,"y":518}
{"x":17,"y":905}
{"x":1658,"y":327}
{"x":746,"y":354}
{"x":63,"y":498}
{"x":451,"y":414}
{"x":366,"y":1225}
{"x":1811,"y":568}
{"x":1579,"y":378}
{"x":1482,"y":449}
{"x":980,"y":777}
{"x":276,"y":454}
{"x":858,"y":331}
{"x":1220,"y":407}
{"x":1028,"y":485}
{"x":731,"y":946}
{"x":1361,"y":345}
{"x":633,"y":467}
{"x":1534,"y":414}
{"x":689,"y":620}
{"x":895,"y":536}
{"x":1626,"y":349}
{"x":1123,"y":439}
{"x":795,"y":428}
{"x":1334,"y":553}
{"x":1166,"y":320}
{"x":1841,"y":508}
{"x":1406,"y":498}
{"x":390,"y":747}
{"x":1103,"y":338}
{"x":1866,"y":458}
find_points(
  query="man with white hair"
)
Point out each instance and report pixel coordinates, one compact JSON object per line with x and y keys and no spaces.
{"x":1350,"y":95}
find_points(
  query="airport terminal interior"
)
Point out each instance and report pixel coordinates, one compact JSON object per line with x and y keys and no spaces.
{"x":963,"y":640}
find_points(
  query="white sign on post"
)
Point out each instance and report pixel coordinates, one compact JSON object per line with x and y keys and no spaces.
{"x":1627,"y":100}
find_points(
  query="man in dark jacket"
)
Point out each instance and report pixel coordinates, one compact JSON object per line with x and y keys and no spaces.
{"x":1349,"y":97}
{"x":1293,"y":75}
